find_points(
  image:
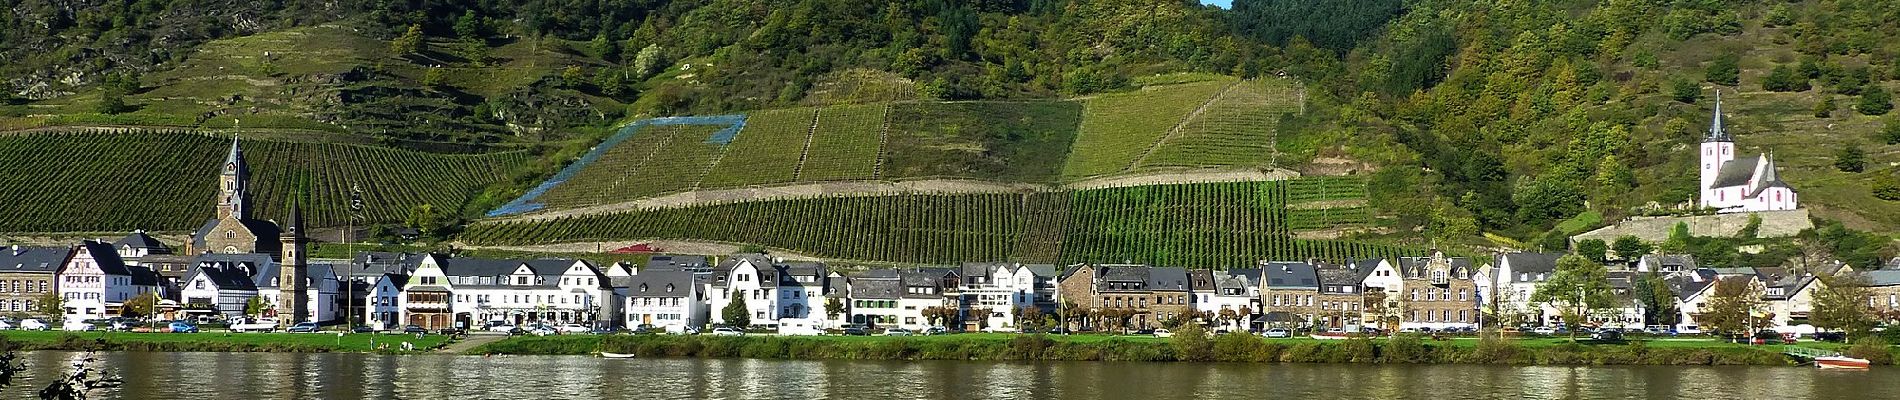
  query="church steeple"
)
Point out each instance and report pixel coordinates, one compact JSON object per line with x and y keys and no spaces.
{"x":292,"y":283}
{"x":1716,"y":133}
{"x":231,"y":176}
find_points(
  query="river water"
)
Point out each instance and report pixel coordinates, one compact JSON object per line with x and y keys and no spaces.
{"x":363,"y":376}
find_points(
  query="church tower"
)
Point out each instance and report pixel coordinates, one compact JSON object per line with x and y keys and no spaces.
{"x":231,"y":176}
{"x":293,"y":288}
{"x":1717,"y":148}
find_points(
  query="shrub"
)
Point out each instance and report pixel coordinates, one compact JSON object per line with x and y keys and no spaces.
{"x":1873,"y":349}
{"x":1191,"y":344}
{"x":1492,"y":350}
{"x":1404,"y":349}
{"x":1236,"y":347}
{"x":1028,"y":347}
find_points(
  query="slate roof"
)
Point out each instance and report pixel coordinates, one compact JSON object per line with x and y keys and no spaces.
{"x":107,"y":258}
{"x":1124,"y":273}
{"x":140,"y":240}
{"x":877,"y":289}
{"x":971,"y":270}
{"x":1289,"y":275}
{"x":1169,"y":279}
{"x":1241,"y":279}
{"x":1769,"y":179}
{"x":837,"y":286}
{"x":1338,"y":275}
{"x":1885,"y":277}
{"x":143,"y":276}
{"x":379,"y":263}
{"x":656,"y":283}
{"x":1363,"y":268}
{"x":1201,"y":280}
{"x":676,"y":261}
{"x":265,"y":231}
{"x":1688,"y":283}
{"x":1736,"y":172}
{"x":1532,"y":263}
{"x":225,"y":278}
{"x":314,"y":272}
{"x":1408,"y":264}
{"x":33,"y":259}
{"x":1043,"y":270}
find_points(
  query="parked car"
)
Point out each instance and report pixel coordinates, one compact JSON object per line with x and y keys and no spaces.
{"x":501,"y":328}
{"x":1830,"y":336}
{"x":181,"y":327}
{"x":34,"y":324}
{"x":78,"y":326}
{"x":1607,"y":336}
{"x":936,"y":330}
{"x":1544,"y":330}
{"x":1277,"y":333}
{"x":304,"y":327}
{"x":362,"y":329}
{"x":1060,"y":331}
{"x":8,"y":325}
{"x":725,"y":331}
{"x":897,"y":332}
{"x":122,"y":325}
{"x":413,"y":329}
{"x":690,"y":330}
{"x":1163,"y":333}
{"x":573,"y":328}
{"x":540,"y":330}
{"x":853,"y":331}
{"x":1144,"y":332}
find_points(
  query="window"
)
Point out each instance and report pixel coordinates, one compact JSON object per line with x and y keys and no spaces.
{"x":1461,"y":295}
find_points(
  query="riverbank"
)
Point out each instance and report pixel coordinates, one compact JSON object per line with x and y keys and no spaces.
{"x":1226,"y":348}
{"x":327,"y":342}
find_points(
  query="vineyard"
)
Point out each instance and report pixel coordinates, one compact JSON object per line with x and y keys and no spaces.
{"x":1118,"y":128}
{"x":167,"y":180}
{"x":1235,"y":129}
{"x":845,"y":144}
{"x":1192,"y":225}
{"x":660,"y":159}
{"x":761,"y":153}
{"x":1009,"y":141}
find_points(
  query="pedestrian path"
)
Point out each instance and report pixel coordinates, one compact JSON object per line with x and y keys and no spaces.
{"x":470,"y":343}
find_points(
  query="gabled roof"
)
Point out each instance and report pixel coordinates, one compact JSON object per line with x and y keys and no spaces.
{"x":837,"y":286}
{"x":1528,"y":262}
{"x":1169,"y":278}
{"x":33,"y":259}
{"x":1688,"y":283}
{"x":1243,"y":279}
{"x":143,"y":276}
{"x":1124,"y":273}
{"x":1043,"y":270}
{"x":676,"y":261}
{"x":1338,"y":275}
{"x":877,"y":289}
{"x":314,"y":272}
{"x":222,"y":277}
{"x":1362,"y":268}
{"x":265,"y":231}
{"x":1201,"y":280}
{"x":378,"y":263}
{"x":140,"y":240}
{"x":1769,"y":179}
{"x":979,"y":269}
{"x":107,"y":258}
{"x":1683,"y":261}
{"x":1289,"y":275}
{"x":656,"y":282}
{"x":1736,"y":172}
{"x":1885,"y":277}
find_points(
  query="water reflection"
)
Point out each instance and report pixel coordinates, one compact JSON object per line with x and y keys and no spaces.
{"x":360,"y":376}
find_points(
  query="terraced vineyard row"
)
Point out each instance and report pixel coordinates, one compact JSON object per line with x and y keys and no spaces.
{"x":766,"y":151}
{"x":167,"y":180}
{"x":1118,"y":128}
{"x":1236,"y":129}
{"x":661,"y":159}
{"x":846,"y":144}
{"x":1193,"y":225}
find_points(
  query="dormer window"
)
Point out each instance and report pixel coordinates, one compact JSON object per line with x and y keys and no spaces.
{"x":643,"y":288}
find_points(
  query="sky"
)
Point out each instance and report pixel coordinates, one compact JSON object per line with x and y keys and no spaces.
{"x":1221,"y":3}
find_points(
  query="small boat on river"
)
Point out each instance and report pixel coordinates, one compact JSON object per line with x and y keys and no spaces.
{"x":614,"y":355}
{"x":1840,"y":362}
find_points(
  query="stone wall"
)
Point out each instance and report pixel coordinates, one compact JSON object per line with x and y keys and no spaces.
{"x":1656,"y":229}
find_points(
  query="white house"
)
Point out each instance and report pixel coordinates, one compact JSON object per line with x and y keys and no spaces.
{"x":1235,"y":289}
{"x":1790,"y":301}
{"x":446,"y":292}
{"x":1744,"y":185}
{"x":222,"y":283}
{"x":95,"y":282}
{"x":1693,"y":289}
{"x":665,"y":299}
{"x":381,"y":302}
{"x":771,"y":290}
{"x":1515,"y":278}
{"x":1003,"y":289}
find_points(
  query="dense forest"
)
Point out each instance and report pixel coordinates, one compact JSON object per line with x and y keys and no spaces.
{"x":1509,"y":116}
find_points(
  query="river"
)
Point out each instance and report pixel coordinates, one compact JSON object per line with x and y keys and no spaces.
{"x":364,"y":376}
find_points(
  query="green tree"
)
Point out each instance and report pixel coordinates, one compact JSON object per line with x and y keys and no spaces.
{"x":571,"y":77}
{"x":833,"y":307}
{"x":1659,"y":302}
{"x":1594,"y":249}
{"x":51,"y":305}
{"x":1875,"y":101}
{"x":1784,"y":79}
{"x":1191,"y":343}
{"x":141,"y":306}
{"x":1890,"y":132}
{"x":469,"y":26}
{"x":1825,"y":107}
{"x":1725,"y":69}
{"x":1579,"y":289}
{"x":606,"y":49}
{"x":255,"y":306}
{"x":1685,"y":91}
{"x":1733,"y":306}
{"x":647,"y":61}
{"x":1850,"y":158}
{"x":111,"y":101}
{"x":1630,"y":248}
{"x":735,"y":314}
{"x":1886,"y":187}
{"x":1841,"y":305}
{"x":410,"y":42}
{"x":433,"y":77}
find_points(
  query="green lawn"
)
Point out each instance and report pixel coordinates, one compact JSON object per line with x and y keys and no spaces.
{"x":214,"y":341}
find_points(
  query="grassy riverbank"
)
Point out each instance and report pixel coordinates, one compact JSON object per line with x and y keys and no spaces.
{"x":1228,"y":348}
{"x":215,"y":342}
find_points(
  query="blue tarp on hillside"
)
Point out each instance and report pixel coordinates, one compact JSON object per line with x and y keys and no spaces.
{"x":525,"y":203}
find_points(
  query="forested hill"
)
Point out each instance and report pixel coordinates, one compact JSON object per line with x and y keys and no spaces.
{"x":1525,"y":118}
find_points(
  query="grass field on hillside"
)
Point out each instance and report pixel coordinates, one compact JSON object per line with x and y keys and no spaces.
{"x":168,"y":180}
{"x":1189,"y":225}
{"x":1007,"y":141}
{"x":1117,"y":128}
{"x":766,"y":151}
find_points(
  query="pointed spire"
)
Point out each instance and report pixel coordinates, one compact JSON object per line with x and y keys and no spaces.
{"x":296,"y":220}
{"x":1768,"y":175}
{"x":1716,"y":133}
{"x":232,"y":157}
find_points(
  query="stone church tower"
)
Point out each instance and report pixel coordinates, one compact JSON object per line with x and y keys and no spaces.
{"x":231,"y":177}
{"x":293,"y":287}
